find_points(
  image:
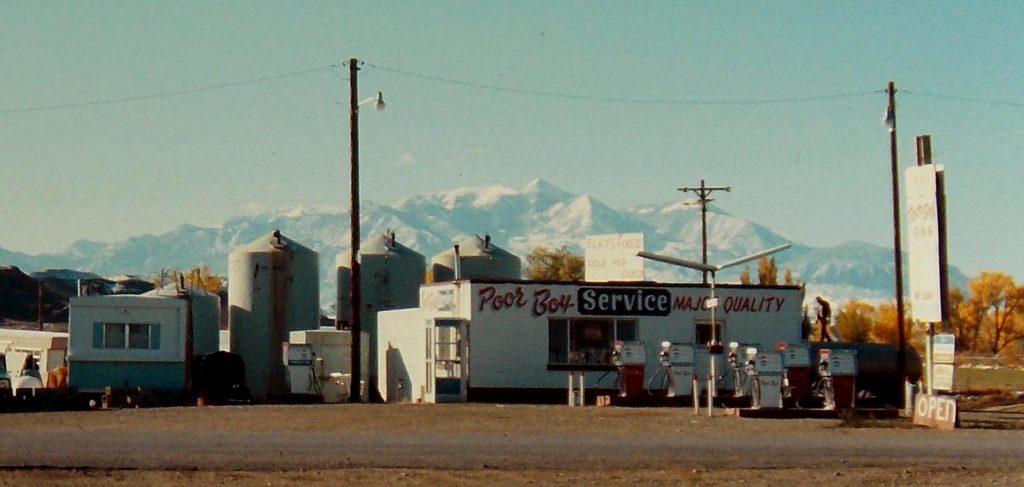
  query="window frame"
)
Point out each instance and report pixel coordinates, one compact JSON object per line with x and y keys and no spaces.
{"x":564,"y":336}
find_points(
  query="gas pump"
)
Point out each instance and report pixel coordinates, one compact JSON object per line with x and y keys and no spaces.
{"x":797,"y":380}
{"x":766,"y":380}
{"x":630,"y":358}
{"x":678,"y":360}
{"x":838,"y":371}
{"x":741,"y":365}
{"x":298,"y":357}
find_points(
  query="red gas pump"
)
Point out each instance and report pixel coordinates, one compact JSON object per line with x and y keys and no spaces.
{"x":630,"y":358}
{"x":797,"y":361}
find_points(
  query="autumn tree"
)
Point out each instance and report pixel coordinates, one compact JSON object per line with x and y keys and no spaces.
{"x":993,"y":314}
{"x":855,"y":321}
{"x":788,"y":279}
{"x":886,"y":331}
{"x":767,"y":272}
{"x":554,"y":265}
{"x":199,"y":278}
{"x":745,"y":276}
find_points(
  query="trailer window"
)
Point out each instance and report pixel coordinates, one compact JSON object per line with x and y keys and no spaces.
{"x":144,"y":336}
{"x":113,"y":335}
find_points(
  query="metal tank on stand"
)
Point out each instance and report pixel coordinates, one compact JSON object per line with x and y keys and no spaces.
{"x":476,"y":258}
{"x":390,"y":278}
{"x":273,"y":289}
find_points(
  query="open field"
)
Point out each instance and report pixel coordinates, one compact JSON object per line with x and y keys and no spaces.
{"x":976,"y":378}
{"x":487,"y":443}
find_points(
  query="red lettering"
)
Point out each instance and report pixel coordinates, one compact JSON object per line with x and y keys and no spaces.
{"x":489,"y":296}
{"x":486,"y":294}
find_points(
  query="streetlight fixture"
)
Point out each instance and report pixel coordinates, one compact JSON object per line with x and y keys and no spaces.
{"x":712,"y":302}
{"x":356,"y":297}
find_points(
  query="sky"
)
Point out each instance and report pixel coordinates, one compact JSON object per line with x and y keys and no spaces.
{"x":228,"y":108}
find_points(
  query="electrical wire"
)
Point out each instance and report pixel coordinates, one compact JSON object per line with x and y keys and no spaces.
{"x":964,"y":98}
{"x":650,"y":101}
{"x":187,"y":91}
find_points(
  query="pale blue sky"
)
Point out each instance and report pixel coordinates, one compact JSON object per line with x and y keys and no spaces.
{"x":816,"y":170}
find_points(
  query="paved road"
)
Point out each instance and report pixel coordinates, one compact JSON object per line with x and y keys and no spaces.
{"x":203,"y":450}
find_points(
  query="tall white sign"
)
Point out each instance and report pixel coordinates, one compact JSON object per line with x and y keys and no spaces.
{"x":613,"y":257}
{"x":923,"y":244}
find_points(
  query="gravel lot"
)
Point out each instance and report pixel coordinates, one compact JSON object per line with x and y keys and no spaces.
{"x":478,"y":443}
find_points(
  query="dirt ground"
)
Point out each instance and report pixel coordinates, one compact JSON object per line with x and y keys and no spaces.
{"x":486,"y":443}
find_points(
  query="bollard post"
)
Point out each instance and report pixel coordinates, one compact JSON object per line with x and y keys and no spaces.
{"x":695,"y":394}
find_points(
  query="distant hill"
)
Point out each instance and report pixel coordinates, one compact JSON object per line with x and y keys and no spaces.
{"x":20,"y":298}
{"x":517,"y":219}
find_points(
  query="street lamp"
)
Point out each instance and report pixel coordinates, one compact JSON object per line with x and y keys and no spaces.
{"x":356,"y":297}
{"x":712,"y":302}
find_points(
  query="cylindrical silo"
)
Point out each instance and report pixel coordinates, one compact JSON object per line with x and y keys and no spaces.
{"x":478,"y":259}
{"x":273,"y":288}
{"x":390,"y":278}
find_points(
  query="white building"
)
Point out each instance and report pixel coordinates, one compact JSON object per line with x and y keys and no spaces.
{"x":515,"y":340}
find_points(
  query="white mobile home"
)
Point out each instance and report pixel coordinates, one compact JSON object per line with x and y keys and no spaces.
{"x":515,"y":340}
{"x":139,"y":341}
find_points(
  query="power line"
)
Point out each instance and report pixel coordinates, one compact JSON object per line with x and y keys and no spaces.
{"x":167,"y":93}
{"x":652,"y":101}
{"x":964,"y":98}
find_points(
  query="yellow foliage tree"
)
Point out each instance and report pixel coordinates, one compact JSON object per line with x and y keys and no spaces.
{"x":745,"y":275}
{"x":199,"y":278}
{"x":767,"y":272}
{"x":554,"y":265}
{"x":885,"y":330}
{"x":993,"y":316}
{"x":855,"y":321}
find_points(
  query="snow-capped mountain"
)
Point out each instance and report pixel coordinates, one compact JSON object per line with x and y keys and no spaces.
{"x":518,"y":220}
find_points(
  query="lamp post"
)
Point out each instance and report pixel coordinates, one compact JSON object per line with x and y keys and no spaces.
{"x":356,"y":297}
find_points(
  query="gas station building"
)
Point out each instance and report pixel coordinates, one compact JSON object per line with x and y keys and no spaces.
{"x":518,"y":341}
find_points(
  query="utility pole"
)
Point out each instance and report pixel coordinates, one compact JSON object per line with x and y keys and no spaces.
{"x":703,"y":198}
{"x":890,"y":118}
{"x":356,"y":297}
{"x":39,"y":303}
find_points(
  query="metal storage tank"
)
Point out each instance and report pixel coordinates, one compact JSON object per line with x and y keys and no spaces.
{"x":205,"y":315}
{"x":273,"y":288}
{"x":390,"y":278}
{"x":478,"y":259}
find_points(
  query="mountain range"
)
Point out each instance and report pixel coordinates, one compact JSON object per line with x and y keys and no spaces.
{"x":539,"y":214}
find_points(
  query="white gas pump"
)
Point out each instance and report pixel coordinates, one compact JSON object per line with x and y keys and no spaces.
{"x":678,"y":360}
{"x":766,"y":380}
{"x":837,"y":371}
{"x":741,"y":365}
{"x":299,"y":359}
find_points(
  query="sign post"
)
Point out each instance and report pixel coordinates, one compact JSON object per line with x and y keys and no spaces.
{"x":926,"y":222}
